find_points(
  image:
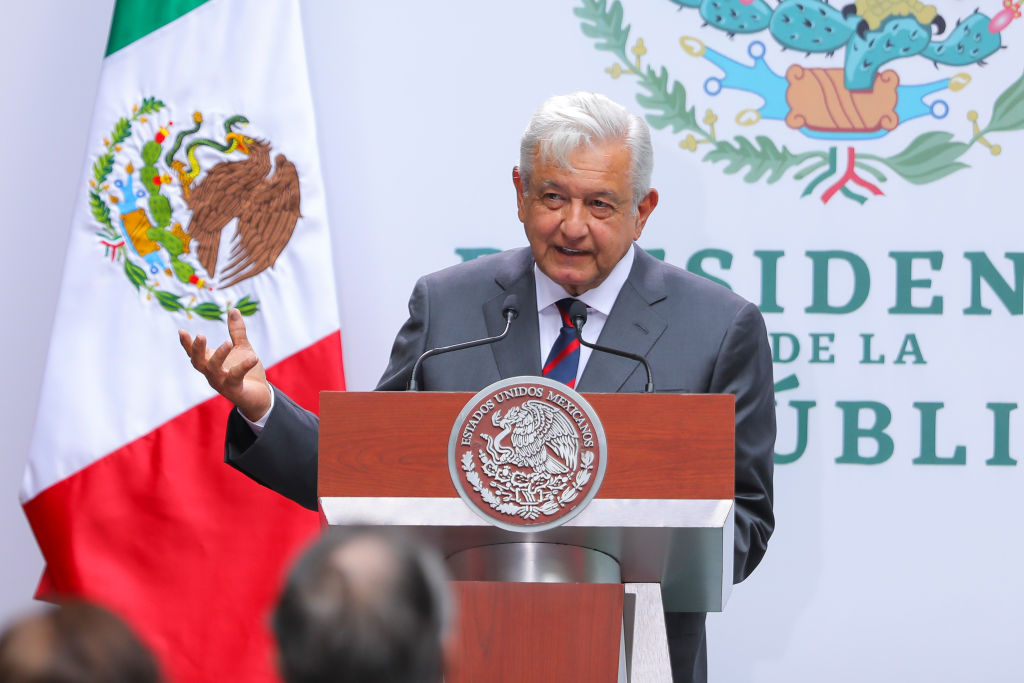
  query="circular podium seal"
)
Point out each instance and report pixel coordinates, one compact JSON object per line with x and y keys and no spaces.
{"x":527,"y":453}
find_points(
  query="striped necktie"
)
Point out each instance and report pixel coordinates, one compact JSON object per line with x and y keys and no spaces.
{"x":564,"y":359}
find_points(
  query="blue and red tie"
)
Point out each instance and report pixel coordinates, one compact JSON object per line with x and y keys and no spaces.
{"x":564,"y":359}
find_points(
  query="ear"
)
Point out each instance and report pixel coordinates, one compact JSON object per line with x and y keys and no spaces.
{"x":643,"y":212}
{"x":517,"y":180}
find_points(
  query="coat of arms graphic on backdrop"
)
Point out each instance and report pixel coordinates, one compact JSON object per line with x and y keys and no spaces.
{"x":861,"y":99}
{"x":168,"y":195}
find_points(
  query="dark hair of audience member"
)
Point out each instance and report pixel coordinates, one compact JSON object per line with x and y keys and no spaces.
{"x":75,"y":643}
{"x":361,"y":606}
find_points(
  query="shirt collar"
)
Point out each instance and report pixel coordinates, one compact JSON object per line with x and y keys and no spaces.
{"x":600,"y":298}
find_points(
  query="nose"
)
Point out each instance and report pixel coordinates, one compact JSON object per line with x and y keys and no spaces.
{"x":574,"y":220}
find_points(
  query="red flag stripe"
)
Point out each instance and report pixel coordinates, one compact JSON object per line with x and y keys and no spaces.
{"x":166,"y":534}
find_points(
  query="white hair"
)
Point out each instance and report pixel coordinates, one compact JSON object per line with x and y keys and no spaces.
{"x":564,"y":123}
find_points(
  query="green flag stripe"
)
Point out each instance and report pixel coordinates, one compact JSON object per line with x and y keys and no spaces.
{"x":134,"y":19}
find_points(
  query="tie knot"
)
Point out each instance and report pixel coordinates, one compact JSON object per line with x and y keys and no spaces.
{"x":563,"y":309}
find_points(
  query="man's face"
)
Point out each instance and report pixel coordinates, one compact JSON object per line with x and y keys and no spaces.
{"x":580,"y":223}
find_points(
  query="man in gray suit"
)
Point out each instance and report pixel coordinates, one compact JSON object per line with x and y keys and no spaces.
{"x":584,"y":196}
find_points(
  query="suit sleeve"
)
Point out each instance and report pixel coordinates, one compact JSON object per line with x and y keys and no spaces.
{"x":409,"y":343}
{"x":744,"y":368}
{"x":283,"y":457}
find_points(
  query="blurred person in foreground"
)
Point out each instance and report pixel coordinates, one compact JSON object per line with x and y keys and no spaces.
{"x":74,"y":643}
{"x":363,"y":605}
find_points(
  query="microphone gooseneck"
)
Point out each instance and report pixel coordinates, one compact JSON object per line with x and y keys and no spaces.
{"x":578,"y":316}
{"x":509,"y":310}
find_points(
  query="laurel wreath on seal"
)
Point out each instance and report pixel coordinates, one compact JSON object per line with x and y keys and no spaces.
{"x":561,"y":489}
{"x":929,"y":157}
{"x":113,"y":240}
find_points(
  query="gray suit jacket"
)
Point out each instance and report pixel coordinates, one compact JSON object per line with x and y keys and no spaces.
{"x":698,"y":337}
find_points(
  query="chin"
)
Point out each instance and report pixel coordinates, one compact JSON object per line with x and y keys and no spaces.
{"x":575,"y":288}
{"x":570,"y":278}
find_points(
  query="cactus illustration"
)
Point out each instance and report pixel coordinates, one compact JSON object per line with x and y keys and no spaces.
{"x":160,"y":210}
{"x":148,"y":236}
{"x":970,"y":42}
{"x":159,"y":206}
{"x":811,"y":26}
{"x":871,"y":33}
{"x":898,"y":37}
{"x":736,"y":16}
{"x":150,"y":176}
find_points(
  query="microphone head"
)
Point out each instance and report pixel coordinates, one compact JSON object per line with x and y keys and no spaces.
{"x":578,"y":313}
{"x":510,"y":307}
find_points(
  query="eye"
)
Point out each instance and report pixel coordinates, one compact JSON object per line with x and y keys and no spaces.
{"x":601,"y":208}
{"x":552,"y":199}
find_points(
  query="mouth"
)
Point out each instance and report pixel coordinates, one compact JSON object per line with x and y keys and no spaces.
{"x":570,"y":252}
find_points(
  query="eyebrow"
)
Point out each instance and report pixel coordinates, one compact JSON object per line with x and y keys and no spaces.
{"x":552,"y":185}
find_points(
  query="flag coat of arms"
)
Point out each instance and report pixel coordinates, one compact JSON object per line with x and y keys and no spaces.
{"x":201,"y":191}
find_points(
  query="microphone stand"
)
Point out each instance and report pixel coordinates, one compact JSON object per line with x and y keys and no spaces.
{"x":511,"y":313}
{"x":578,"y":316}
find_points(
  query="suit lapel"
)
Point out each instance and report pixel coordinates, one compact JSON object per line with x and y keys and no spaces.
{"x":519,"y":353}
{"x":632,"y":326}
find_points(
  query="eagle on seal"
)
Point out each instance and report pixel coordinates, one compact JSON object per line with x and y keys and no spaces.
{"x":267,"y":209}
{"x":542,"y":438}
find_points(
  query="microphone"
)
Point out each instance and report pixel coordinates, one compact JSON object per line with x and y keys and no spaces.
{"x":509,"y":310}
{"x":578,"y":316}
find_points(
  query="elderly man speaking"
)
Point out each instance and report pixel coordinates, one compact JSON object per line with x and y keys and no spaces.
{"x":584,"y":196}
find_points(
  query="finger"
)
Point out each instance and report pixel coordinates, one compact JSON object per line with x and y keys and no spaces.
{"x":216,"y":361}
{"x":186,"y":341}
{"x":199,"y":352}
{"x":236,"y":328}
{"x":236,"y":373}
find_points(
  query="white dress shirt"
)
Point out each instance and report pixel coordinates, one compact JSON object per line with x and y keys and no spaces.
{"x":599,"y":301}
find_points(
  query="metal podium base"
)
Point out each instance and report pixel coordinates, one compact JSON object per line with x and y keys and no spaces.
{"x":534,"y":563}
{"x":685,"y":545}
{"x":645,"y":640}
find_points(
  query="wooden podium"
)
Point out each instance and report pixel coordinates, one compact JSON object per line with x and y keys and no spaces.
{"x":583,"y":601}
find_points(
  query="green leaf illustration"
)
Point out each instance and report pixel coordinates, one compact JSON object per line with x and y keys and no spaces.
{"x":150,"y":105}
{"x":929,"y":157}
{"x":100,"y":210}
{"x":247,"y":307}
{"x":169,"y":300}
{"x":1008,"y":111}
{"x":102,"y":167}
{"x":764,"y":158}
{"x":670,"y":101}
{"x":136,"y":275}
{"x":122,"y":129}
{"x":209,"y":310}
{"x":605,"y":25}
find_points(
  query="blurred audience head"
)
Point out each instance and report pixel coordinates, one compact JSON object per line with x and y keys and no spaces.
{"x":74,"y":643}
{"x":363,"y":605}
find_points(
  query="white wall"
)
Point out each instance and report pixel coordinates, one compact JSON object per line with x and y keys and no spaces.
{"x":48,"y":83}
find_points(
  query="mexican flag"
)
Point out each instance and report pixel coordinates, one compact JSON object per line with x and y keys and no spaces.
{"x":201,"y":191}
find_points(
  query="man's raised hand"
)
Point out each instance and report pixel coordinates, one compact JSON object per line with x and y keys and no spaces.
{"x":233,"y":369}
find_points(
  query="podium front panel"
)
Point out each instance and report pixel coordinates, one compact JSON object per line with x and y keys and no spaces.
{"x":664,"y":511}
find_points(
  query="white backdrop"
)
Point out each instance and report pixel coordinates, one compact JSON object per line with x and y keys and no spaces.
{"x":893,"y":571}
